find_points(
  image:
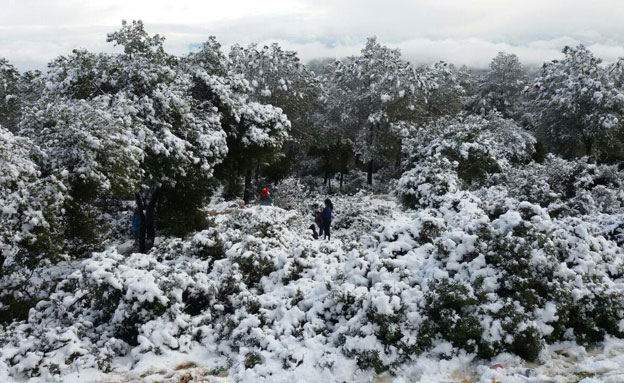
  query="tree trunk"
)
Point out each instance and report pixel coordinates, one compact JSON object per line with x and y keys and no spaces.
{"x":341,"y":178}
{"x":369,"y":176}
{"x":257,"y":171}
{"x":326,"y":172}
{"x":329,"y":183}
{"x":588,"y":148}
{"x":247,"y":193}
{"x":147,"y":233}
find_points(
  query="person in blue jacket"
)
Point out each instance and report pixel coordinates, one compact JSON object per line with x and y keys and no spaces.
{"x":326,"y":218}
{"x":135,"y":221}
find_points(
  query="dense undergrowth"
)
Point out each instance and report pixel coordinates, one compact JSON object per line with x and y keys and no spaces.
{"x":256,"y":290}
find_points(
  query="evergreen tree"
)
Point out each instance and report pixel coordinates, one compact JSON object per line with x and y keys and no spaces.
{"x":277,"y":77}
{"x":377,"y":96}
{"x":9,"y":95}
{"x":501,"y":87}
{"x":576,"y":106}
{"x":31,"y":212}
{"x":255,"y":132}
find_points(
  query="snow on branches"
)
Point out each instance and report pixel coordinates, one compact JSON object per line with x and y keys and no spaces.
{"x":576,"y":103}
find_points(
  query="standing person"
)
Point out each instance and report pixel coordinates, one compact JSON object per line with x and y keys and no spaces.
{"x":135,"y":222}
{"x":265,"y":198}
{"x":326,"y":218}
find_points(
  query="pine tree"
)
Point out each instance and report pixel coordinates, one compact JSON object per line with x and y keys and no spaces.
{"x":277,"y":77}
{"x":9,"y":95}
{"x":377,"y":96}
{"x":501,"y":87}
{"x":575,"y":104}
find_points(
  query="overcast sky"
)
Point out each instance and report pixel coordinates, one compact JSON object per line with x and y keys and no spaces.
{"x":470,"y":32}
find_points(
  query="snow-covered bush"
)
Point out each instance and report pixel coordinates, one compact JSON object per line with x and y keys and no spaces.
{"x":478,"y":147}
{"x":492,"y":157}
{"x":182,"y":291}
{"x":568,"y":188}
{"x":359,"y":215}
{"x":485,"y":286}
{"x":257,"y":290}
{"x":428,"y":182}
{"x":31,"y":207}
{"x":525,"y":257}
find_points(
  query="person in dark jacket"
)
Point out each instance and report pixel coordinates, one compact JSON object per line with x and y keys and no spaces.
{"x":326,"y":218}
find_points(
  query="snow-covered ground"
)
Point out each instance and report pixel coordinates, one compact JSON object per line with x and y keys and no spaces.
{"x":274,"y":305}
{"x":559,"y":363}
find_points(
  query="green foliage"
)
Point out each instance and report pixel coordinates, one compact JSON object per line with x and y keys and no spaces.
{"x":475,"y":169}
{"x":252,"y":359}
{"x":254,"y":266}
{"x":179,"y":208}
{"x":15,"y":308}
{"x":218,"y":370}
{"x":528,"y":344}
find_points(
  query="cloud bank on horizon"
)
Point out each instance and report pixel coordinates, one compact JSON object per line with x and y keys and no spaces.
{"x":32,"y":32}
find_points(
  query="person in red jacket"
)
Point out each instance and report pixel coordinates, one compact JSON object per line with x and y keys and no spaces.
{"x":265,"y":198}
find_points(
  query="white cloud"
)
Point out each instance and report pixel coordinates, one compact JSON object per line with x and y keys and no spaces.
{"x":32,"y":32}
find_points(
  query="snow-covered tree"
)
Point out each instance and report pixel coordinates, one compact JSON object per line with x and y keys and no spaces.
{"x":378,"y":84}
{"x":614,"y":150}
{"x":378,"y":96}
{"x":332,"y":141}
{"x":9,"y":95}
{"x":277,"y":77}
{"x":31,"y":210}
{"x":255,"y":132}
{"x":92,"y":145}
{"x":183,"y":134}
{"x":30,"y":203}
{"x":93,"y":141}
{"x":444,"y":91}
{"x":575,"y":103}
{"x":501,"y":87}
{"x":179,"y":137}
